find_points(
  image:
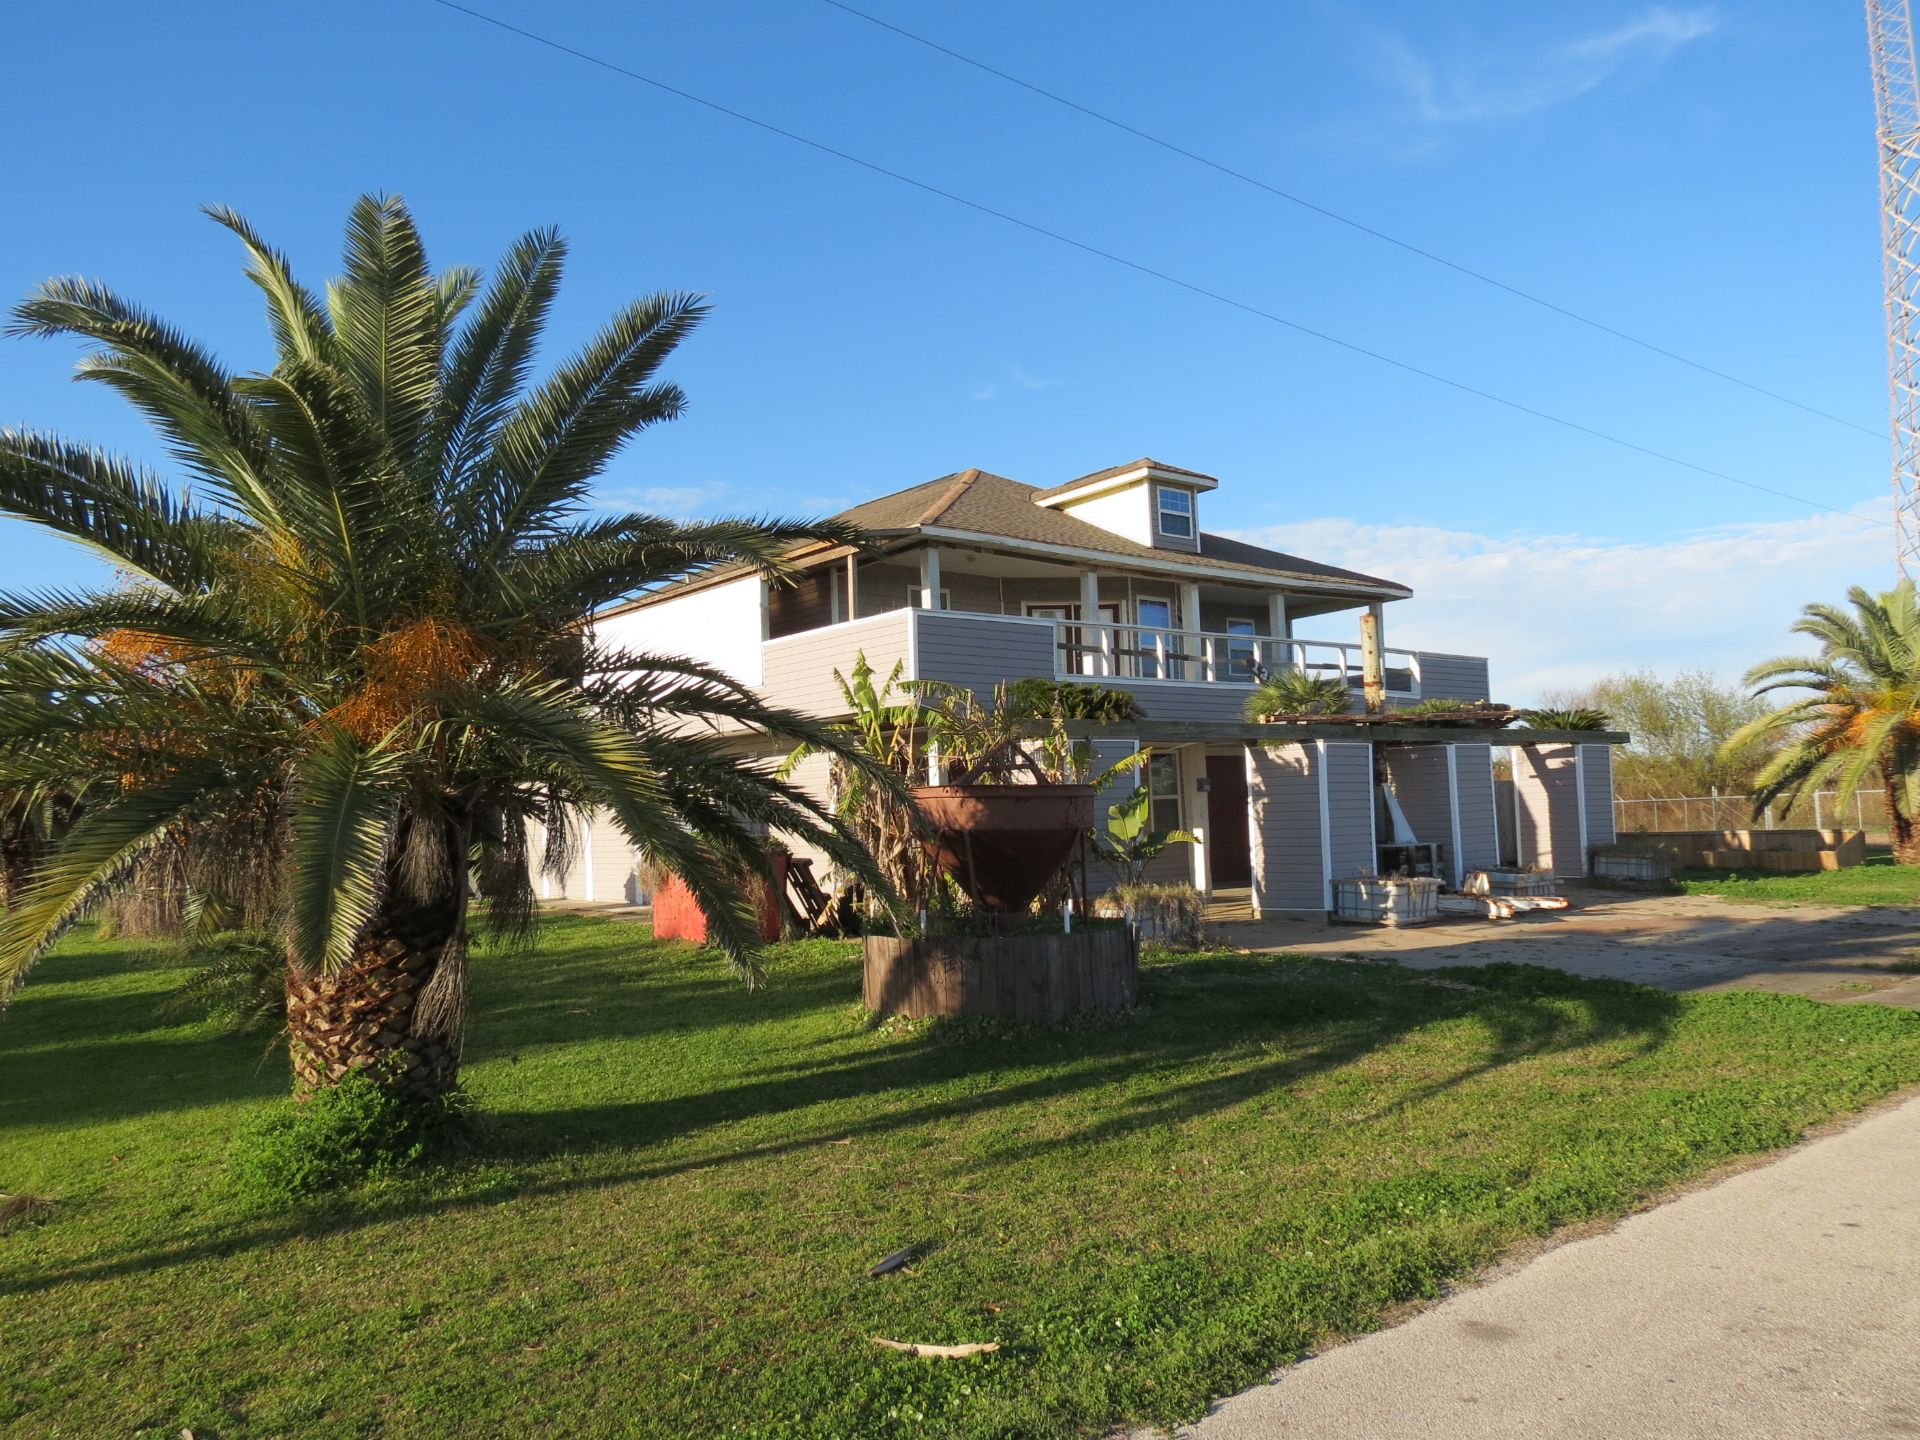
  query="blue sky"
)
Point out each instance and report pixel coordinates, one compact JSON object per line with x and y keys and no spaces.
{"x":1702,"y":176}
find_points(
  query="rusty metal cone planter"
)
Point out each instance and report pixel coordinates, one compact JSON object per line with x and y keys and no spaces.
{"x":1002,"y":844}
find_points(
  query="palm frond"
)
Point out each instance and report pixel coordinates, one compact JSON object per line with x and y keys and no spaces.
{"x":301,"y":330}
{"x":342,"y":824}
{"x":112,"y":506}
{"x":386,"y":313}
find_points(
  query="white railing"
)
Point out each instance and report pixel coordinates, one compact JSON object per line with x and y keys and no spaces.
{"x":1107,"y":649}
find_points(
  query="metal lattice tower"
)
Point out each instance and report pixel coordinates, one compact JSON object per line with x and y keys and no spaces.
{"x":1896,"y":97}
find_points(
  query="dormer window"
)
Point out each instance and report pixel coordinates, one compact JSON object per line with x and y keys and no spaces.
{"x":1176,"y":512}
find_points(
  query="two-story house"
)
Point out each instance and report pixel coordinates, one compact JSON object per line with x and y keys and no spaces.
{"x":1111,"y":579}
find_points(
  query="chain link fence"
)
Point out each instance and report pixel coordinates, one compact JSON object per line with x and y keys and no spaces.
{"x":1829,"y":810}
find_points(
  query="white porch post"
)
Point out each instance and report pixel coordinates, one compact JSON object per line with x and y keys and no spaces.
{"x":1092,"y":660}
{"x":1279,"y":628}
{"x":1190,"y":623}
{"x":930,"y":577}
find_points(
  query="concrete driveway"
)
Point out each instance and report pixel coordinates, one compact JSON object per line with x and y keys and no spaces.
{"x":1684,"y":942}
{"x":1778,"y":1303}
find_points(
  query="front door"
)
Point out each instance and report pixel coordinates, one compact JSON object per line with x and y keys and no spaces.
{"x":1229,"y":848}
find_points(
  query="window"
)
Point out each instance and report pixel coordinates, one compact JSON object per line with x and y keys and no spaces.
{"x":1176,"y":512}
{"x":1155,"y":635}
{"x":1163,"y":779}
{"x":1241,"y":652}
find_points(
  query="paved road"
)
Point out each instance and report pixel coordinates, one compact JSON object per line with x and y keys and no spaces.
{"x":1782,"y":1302}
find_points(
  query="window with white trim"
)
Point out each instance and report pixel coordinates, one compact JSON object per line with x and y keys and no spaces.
{"x":1176,"y":512}
{"x":1241,"y":648}
{"x":1163,"y":779}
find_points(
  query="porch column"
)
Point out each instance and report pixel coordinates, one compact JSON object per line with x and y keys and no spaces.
{"x":852,"y":589}
{"x":1191,"y":644}
{"x":1279,"y":631}
{"x":930,"y":577}
{"x":1092,"y":634}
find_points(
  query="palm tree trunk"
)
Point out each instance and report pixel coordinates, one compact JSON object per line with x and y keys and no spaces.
{"x":397,"y":1010}
{"x":366,"y":1017}
{"x":1906,"y":836}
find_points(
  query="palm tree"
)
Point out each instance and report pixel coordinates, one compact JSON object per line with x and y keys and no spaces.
{"x":1861,"y":715}
{"x":354,"y":628}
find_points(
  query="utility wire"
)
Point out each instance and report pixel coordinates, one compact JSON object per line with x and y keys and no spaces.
{"x":1137,"y":267}
{"x":1334,"y":215}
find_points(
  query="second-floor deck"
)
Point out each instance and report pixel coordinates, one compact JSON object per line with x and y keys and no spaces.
{"x":1175,"y":673}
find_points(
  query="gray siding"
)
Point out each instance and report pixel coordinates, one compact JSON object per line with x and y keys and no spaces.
{"x":980,"y":652}
{"x":1350,"y":809}
{"x":1479,"y":839}
{"x":1458,"y":677}
{"x":1546,"y":798}
{"x":1418,"y":776}
{"x":1598,"y":760}
{"x":1171,"y":700}
{"x":1284,"y":793}
{"x":799,"y":669}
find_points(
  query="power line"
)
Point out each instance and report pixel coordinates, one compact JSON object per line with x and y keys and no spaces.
{"x":1334,"y":215}
{"x":1137,"y":267}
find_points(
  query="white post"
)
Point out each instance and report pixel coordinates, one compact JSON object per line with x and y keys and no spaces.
{"x":1817,"y":823}
{"x":1089,"y":662}
{"x":1189,"y":620}
{"x":930,"y":578}
{"x":1279,"y":630}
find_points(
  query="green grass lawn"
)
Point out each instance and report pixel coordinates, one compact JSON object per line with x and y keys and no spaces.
{"x":1878,"y":882}
{"x":684,"y":1184}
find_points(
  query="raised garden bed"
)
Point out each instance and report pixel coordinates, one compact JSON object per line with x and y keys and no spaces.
{"x":1040,"y":978}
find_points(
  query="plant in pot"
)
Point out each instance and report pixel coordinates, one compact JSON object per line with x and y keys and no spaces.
{"x":888,"y":727}
{"x":1163,"y":914}
{"x":1014,"y":805}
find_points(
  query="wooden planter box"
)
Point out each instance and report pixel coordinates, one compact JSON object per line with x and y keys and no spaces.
{"x":1645,"y":868}
{"x":1044,"y":978}
{"x":1392,"y":900}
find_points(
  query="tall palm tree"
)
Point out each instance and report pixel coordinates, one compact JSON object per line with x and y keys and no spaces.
{"x":353,"y":627}
{"x":1861,"y":716}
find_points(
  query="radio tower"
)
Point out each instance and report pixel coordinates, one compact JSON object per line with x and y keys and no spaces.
{"x":1896,"y":98}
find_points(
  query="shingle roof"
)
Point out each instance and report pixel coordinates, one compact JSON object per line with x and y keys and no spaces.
{"x":1144,"y":462}
{"x":978,"y":502}
{"x":983,"y":503}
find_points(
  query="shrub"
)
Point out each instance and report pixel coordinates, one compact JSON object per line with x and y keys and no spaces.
{"x":1295,"y":692}
{"x":356,"y":1131}
{"x":1580,"y":718}
{"x":1167,"y":915}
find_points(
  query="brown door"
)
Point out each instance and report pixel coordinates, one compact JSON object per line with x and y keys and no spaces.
{"x":1229,"y":853}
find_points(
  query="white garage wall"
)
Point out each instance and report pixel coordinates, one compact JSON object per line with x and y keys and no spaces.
{"x":720,"y":625}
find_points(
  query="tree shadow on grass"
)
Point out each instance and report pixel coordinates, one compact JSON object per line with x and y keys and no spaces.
{"x":1272,"y":1023}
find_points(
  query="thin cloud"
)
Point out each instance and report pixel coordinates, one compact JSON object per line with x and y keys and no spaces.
{"x":1021,"y":378}
{"x":1490,"y":87}
{"x":1556,"y":612}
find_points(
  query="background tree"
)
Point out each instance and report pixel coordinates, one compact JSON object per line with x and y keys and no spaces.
{"x":1680,"y":729}
{"x":1860,"y":716}
{"x":354,"y":627}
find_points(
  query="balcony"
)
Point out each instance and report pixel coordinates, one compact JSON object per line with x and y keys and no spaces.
{"x":1112,"y":651}
{"x":1177,"y":674}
